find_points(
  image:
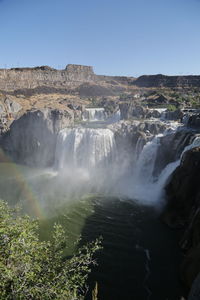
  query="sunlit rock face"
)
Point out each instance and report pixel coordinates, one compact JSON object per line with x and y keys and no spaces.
{"x":31,"y":139}
{"x":23,"y":78}
{"x":9,"y":110}
{"x":79,"y":73}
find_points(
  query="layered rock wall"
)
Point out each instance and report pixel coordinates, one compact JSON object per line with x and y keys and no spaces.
{"x":74,"y":75}
{"x":167,"y":81}
{"x":23,"y":78}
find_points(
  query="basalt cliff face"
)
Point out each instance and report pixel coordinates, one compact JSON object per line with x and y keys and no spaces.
{"x":73,"y":75}
{"x":167,"y":81}
{"x":21,"y":78}
{"x":183,"y":211}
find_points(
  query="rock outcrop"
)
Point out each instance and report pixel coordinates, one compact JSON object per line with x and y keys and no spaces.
{"x":79,"y":73}
{"x":183,"y":211}
{"x":23,"y":78}
{"x":130,"y":110}
{"x":167,"y":81}
{"x":194,"y":121}
{"x":31,"y":139}
{"x":9,"y":110}
{"x":170,"y":148}
{"x":130,"y":135}
{"x":176,"y":115}
{"x":156,"y":100}
{"x":34,"y":80}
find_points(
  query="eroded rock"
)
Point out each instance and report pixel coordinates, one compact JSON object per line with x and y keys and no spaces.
{"x":31,"y":139}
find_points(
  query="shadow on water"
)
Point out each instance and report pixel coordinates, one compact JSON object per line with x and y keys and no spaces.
{"x":140,"y":257}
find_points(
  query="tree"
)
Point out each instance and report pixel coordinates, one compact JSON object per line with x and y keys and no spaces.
{"x":32,"y":269}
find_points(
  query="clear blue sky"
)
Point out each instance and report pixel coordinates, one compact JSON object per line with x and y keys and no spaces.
{"x":117,"y":37}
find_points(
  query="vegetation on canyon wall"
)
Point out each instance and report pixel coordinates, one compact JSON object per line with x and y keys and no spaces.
{"x":34,"y":269}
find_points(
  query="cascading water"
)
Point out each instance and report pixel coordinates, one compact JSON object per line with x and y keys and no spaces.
{"x":94,"y":114}
{"x":91,"y":156}
{"x":141,"y":184}
{"x":85,"y":148}
{"x":85,"y":155}
{"x":147,"y":188}
{"x":146,"y":160}
{"x":195,"y":143}
{"x":115,"y":117}
{"x":87,"y":161}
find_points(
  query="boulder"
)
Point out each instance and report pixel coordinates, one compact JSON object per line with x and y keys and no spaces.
{"x":153,"y":114}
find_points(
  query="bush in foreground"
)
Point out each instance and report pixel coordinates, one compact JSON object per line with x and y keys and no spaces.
{"x":32,"y":269}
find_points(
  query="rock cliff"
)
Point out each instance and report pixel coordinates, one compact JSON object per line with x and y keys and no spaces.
{"x":167,"y":81}
{"x":183,"y":211}
{"x":74,"y":75}
{"x":31,"y":139}
{"x":22,"y":78}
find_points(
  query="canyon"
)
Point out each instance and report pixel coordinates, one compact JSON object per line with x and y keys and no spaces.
{"x":113,"y":136}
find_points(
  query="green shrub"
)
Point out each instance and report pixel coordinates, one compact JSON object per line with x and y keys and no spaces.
{"x":171,"y":107}
{"x":195,"y":103}
{"x":32,"y":269}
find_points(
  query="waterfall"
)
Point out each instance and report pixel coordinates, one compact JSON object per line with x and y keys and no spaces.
{"x":115,"y":117}
{"x":85,"y":148}
{"x":146,"y":160}
{"x":88,"y":156}
{"x":195,"y":143}
{"x":139,"y":146}
{"x":94,"y":114}
{"x":147,"y":188}
{"x":84,"y":159}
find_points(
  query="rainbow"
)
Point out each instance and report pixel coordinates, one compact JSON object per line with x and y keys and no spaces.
{"x":14,"y":170}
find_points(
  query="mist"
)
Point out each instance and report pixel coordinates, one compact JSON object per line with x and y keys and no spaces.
{"x":90,"y":161}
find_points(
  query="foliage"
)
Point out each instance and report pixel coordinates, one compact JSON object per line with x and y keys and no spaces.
{"x":94,"y":102}
{"x":31,"y":269}
{"x":171,"y":107}
{"x":195,"y":103}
